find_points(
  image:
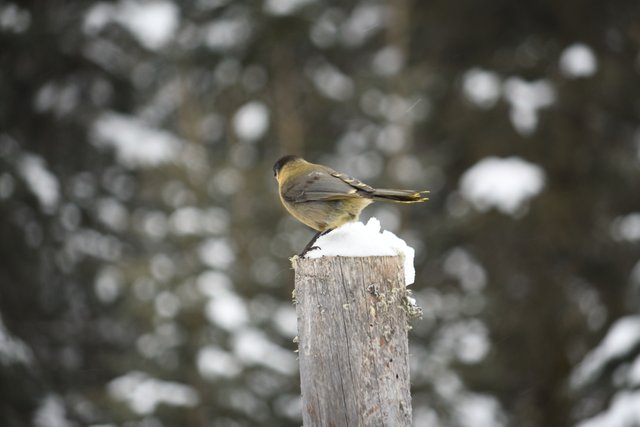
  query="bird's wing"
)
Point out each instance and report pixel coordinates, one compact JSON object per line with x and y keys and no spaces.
{"x":323,"y":185}
{"x":353,"y":182}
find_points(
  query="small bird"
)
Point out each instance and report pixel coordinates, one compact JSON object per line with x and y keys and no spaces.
{"x":324,"y":199}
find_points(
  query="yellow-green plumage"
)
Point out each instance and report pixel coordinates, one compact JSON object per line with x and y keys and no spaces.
{"x":324,"y":199}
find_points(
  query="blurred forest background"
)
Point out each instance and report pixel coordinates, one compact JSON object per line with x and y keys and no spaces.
{"x":144,"y":275}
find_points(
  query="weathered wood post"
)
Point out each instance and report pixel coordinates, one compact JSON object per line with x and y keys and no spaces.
{"x":352,"y":341}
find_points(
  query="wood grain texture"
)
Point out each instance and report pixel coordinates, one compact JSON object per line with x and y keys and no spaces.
{"x":352,"y":341}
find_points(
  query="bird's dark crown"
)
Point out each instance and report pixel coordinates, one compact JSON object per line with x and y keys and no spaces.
{"x":283,"y":161}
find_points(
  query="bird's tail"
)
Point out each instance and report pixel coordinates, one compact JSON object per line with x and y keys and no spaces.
{"x":400,"y":196}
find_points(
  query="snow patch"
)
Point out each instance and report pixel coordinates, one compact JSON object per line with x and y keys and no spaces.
{"x":356,"y":239}
{"x":578,"y":60}
{"x":626,"y":227}
{"x":285,"y":7}
{"x":226,"y":33}
{"x":478,"y":410}
{"x":481,"y":88}
{"x":633,"y":376}
{"x":51,"y":413}
{"x":42,"y":183}
{"x":506,"y":184}
{"x":213,"y":362}
{"x":227,"y":311}
{"x":364,"y":22}
{"x":388,"y":61}
{"x":143,"y":393}
{"x":623,"y":411}
{"x":251,"y":121}
{"x":153,"y":23}
{"x":217,"y":253}
{"x":136,"y":144}
{"x":331,"y":82}
{"x":13,"y":349}
{"x":253,"y":347}
{"x":14,"y":19}
{"x":622,"y":337}
{"x":526,"y":98}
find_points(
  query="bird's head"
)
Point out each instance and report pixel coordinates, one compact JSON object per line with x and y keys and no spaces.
{"x":284,"y":163}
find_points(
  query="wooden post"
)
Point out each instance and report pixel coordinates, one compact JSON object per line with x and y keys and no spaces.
{"x":352,"y":341}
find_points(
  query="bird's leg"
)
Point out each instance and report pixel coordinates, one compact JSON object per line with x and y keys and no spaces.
{"x":310,"y":246}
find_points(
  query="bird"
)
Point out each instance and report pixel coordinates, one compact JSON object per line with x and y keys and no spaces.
{"x":324,"y":199}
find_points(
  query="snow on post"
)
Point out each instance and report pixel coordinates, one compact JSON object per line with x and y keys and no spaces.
{"x":353,"y":309}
